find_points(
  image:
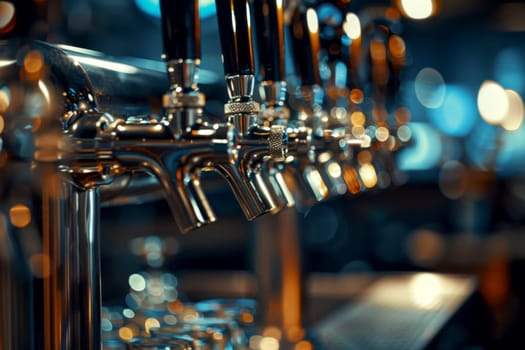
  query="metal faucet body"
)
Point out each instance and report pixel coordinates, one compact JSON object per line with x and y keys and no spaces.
{"x":249,"y":146}
{"x":256,"y":144}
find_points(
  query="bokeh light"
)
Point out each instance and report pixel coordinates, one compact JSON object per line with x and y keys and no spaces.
{"x":5,"y":98}
{"x":417,"y":9}
{"x":312,"y":21}
{"x":425,"y":150}
{"x":382,"y":134}
{"x":352,"y":26}
{"x":404,"y":133}
{"x":511,"y":155}
{"x":137,"y":282}
{"x":456,"y":115}
{"x":430,"y":88}
{"x":426,"y":290}
{"x":493,"y":103}
{"x":7,"y":16}
{"x":514,"y":117}
{"x":368,"y":175}
{"x":19,"y":215}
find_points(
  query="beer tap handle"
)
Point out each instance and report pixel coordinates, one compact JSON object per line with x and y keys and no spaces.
{"x":235,"y":34}
{"x":181,"y":40}
{"x":180,"y":29}
{"x":305,"y":43}
{"x":269,"y":33}
{"x":304,"y":28}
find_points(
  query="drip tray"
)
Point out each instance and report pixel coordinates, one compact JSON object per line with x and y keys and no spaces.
{"x":395,"y":312}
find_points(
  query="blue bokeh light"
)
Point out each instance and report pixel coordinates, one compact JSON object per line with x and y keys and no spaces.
{"x":457,"y":114}
{"x":152,"y":7}
{"x":424,"y":152}
{"x":481,"y":145}
{"x":511,"y":157}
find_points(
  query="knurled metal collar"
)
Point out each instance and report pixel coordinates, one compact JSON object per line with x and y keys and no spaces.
{"x":278,"y":143}
{"x":250,"y":107}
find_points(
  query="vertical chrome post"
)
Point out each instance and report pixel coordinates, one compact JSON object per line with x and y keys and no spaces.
{"x":72,"y":290}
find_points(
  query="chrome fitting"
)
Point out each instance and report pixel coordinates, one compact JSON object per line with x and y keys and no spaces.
{"x":240,"y":87}
{"x":183,"y":74}
{"x":273,"y":92}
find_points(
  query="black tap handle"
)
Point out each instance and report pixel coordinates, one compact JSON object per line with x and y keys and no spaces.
{"x":233,"y":18}
{"x":305,"y":44}
{"x":180,"y":29}
{"x":269,"y":32}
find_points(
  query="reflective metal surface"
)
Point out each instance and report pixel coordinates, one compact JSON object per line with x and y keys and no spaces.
{"x":80,"y":129}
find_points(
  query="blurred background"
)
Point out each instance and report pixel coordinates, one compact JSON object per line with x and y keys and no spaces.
{"x":457,"y":204}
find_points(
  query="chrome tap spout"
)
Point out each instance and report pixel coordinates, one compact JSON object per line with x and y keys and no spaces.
{"x":256,"y":144}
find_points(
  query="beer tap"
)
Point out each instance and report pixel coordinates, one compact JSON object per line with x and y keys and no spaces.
{"x":256,"y":143}
{"x":323,"y":170}
{"x":184,"y":104}
{"x":269,"y":35}
{"x":382,"y":53}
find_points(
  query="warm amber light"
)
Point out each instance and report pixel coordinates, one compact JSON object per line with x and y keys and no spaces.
{"x":357,"y":96}
{"x":352,"y":26}
{"x":176,"y":307}
{"x":402,"y":115}
{"x":418,"y":9}
{"x":358,"y":131}
{"x":2,"y":126}
{"x":303,"y":345}
{"x":514,"y":117}
{"x":7,"y":16}
{"x":377,"y":51}
{"x":493,"y":103}
{"x":426,"y":291}
{"x":151,"y":323}
{"x":312,"y":21}
{"x":351,"y":179}
{"x":5,"y":100}
{"x":358,"y":118}
{"x":20,"y":215}
{"x":269,"y":343}
{"x":364,"y":157}
{"x":392,"y":14}
{"x":397,"y":46}
{"x":125,"y":333}
{"x":368,"y":175}
{"x":272,"y":332}
{"x":334,"y":170}
{"x":246,"y":317}
{"x":33,"y":62}
{"x":382,"y":134}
